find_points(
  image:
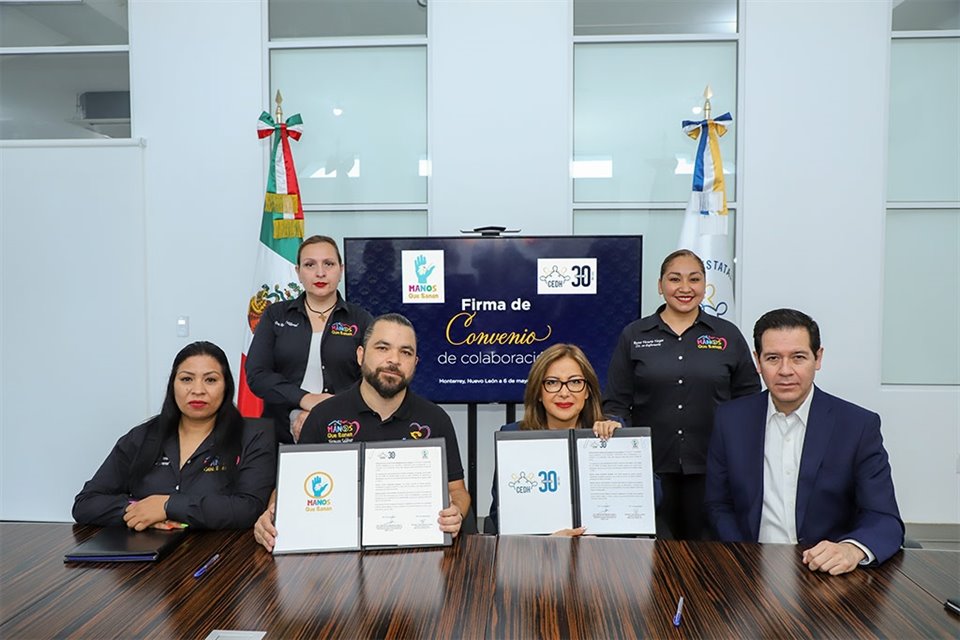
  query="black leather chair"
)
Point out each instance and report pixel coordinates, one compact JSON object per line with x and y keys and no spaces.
{"x":469,"y":524}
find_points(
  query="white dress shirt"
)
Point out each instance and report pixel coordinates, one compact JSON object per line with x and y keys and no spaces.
{"x":312,"y":375}
{"x":782,"y":451}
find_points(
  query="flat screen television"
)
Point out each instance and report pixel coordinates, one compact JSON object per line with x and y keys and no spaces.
{"x":484,"y":308}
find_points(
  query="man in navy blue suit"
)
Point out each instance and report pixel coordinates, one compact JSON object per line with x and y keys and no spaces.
{"x":796,"y":465}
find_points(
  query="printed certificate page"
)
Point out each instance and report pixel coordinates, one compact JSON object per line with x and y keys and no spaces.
{"x":616,"y":483}
{"x":404,"y":489}
{"x":318,"y":498}
{"x":533,"y":482}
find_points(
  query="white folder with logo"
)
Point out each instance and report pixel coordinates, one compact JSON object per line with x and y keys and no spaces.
{"x":343,"y":497}
{"x":552,"y":480}
{"x":318,"y":498}
{"x":534,"y":481}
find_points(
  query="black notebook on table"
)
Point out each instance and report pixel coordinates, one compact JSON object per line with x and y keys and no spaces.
{"x":120,"y":544}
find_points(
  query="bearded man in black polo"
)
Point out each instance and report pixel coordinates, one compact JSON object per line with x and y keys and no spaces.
{"x":382,"y":407}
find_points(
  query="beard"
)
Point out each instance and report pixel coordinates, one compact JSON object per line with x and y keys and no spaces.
{"x":386,"y":388}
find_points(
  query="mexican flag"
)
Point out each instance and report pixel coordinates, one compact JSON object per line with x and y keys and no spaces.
{"x":281,"y":232}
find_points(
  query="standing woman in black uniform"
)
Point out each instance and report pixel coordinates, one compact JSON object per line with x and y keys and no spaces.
{"x":305,"y":350}
{"x":669,"y":371}
{"x":198,"y":463}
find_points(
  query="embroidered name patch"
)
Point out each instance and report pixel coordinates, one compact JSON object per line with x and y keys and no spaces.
{"x":646,"y":344}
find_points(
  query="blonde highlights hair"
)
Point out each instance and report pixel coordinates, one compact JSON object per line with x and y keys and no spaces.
{"x":534,"y":413}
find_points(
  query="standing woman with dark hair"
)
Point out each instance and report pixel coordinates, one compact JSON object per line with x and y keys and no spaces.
{"x":669,"y":371}
{"x":197,"y":463}
{"x":305,"y":350}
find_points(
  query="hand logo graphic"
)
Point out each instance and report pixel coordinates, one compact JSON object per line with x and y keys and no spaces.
{"x":316,"y":487}
{"x":423,"y":272}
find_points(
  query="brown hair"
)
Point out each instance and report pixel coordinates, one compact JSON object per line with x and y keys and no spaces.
{"x":317,"y":240}
{"x":680,"y":253}
{"x":534,"y":414}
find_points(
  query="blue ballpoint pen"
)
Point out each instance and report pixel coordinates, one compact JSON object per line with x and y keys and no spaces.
{"x":677,"y":617}
{"x":206,"y":566}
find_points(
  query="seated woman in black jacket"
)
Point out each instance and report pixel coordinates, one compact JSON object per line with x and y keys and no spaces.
{"x":197,"y":463}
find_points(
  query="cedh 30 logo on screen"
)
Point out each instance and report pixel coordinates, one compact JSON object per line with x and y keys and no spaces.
{"x":566,"y":276}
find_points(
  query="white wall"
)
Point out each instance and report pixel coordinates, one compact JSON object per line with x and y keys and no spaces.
{"x":500,"y":115}
{"x":499,"y":118}
{"x":119,"y":242}
{"x":813,"y":181}
{"x":197,"y":91}
{"x":72,"y":318}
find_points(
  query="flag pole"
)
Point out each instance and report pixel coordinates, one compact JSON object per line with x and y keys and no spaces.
{"x":705,"y":225}
{"x":281,"y":231}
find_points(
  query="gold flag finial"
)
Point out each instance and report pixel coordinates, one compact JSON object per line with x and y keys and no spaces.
{"x":279,"y":100}
{"x":707,"y":94}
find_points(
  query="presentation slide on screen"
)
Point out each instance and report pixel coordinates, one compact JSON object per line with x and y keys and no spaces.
{"x":484,"y":308}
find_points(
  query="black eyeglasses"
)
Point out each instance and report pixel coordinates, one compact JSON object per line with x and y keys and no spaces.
{"x":574,"y":385}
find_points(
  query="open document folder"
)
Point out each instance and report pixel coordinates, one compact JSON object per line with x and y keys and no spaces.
{"x":340,"y":497}
{"x":552,"y":480}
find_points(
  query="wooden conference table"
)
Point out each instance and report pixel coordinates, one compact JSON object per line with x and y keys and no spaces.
{"x":481,"y":587}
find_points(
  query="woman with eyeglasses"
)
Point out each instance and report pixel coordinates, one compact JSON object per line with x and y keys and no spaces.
{"x":562,"y":392}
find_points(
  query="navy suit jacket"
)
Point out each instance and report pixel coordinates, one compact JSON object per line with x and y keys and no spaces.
{"x":844,"y":490}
